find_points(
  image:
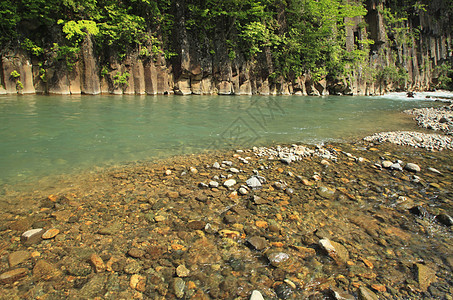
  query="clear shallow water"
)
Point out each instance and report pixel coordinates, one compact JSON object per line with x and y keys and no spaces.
{"x":52,"y":135}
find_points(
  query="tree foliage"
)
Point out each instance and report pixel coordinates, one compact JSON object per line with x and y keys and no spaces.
{"x":300,"y":36}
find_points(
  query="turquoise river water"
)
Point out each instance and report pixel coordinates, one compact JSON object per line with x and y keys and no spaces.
{"x":54,"y":135}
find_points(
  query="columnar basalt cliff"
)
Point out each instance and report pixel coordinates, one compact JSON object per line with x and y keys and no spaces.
{"x":203,"y":65}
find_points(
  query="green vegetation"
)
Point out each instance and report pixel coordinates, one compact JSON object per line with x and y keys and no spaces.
{"x":15,"y":77}
{"x":121,"y":79}
{"x":295,"y":36}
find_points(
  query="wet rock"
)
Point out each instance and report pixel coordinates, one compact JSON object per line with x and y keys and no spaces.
{"x":229,"y":183}
{"x":51,"y":233}
{"x":178,"y":287}
{"x":325,"y":192}
{"x":256,"y":295}
{"x":32,"y":236}
{"x":445,"y":219}
{"x":13,"y":275}
{"x":425,"y":276}
{"x":257,"y":242}
{"x":419,"y":211}
{"x":339,"y":294}
{"x":283,"y":291}
{"x":289,"y":191}
{"x":17,"y":258}
{"x":182,"y":271}
{"x":335,"y":250}
{"x":136,"y":253}
{"x":196,"y":225}
{"x":366,"y":294}
{"x":277,"y":258}
{"x":279,"y":185}
{"x":258,"y":200}
{"x":44,"y":270}
{"x":412,"y":167}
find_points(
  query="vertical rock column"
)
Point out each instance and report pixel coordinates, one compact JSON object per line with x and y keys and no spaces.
{"x":89,"y":69}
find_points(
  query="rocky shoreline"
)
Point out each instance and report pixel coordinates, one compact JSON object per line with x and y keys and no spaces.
{"x":367,"y":220}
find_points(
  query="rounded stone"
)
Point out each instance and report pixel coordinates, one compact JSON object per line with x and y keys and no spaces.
{"x":229,"y":183}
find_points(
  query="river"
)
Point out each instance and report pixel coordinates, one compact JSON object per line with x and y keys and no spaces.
{"x":55,"y":135}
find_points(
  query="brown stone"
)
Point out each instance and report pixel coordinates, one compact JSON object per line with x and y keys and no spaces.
{"x":138,"y":282}
{"x":45,"y":271}
{"x":173,"y":195}
{"x":136,"y":253}
{"x":196,"y":225}
{"x":18,"y":257}
{"x":425,"y":276}
{"x":13,"y":275}
{"x":51,"y":233}
{"x":97,"y":263}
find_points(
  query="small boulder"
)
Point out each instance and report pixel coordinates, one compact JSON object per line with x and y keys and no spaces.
{"x":32,"y":236}
{"x":412,"y":167}
{"x":229,"y":183}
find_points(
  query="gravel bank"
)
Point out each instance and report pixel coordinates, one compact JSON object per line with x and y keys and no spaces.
{"x":283,"y":222}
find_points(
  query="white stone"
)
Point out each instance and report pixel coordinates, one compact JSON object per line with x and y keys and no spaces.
{"x":256,"y":295}
{"x":327,"y":246}
{"x":229,"y":183}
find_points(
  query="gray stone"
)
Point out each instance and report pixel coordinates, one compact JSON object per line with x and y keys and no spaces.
{"x":412,"y":167}
{"x":32,"y":236}
{"x":216,"y":165}
{"x":258,"y":242}
{"x":213,"y":184}
{"x":178,"y":287}
{"x":234,"y":170}
{"x":243,"y":191}
{"x":286,"y":160}
{"x":339,"y":294}
{"x":253,"y":182}
{"x":387,"y":164}
{"x":366,"y":294}
{"x":396,"y":166}
{"x":227,"y":162}
{"x":435,"y":171}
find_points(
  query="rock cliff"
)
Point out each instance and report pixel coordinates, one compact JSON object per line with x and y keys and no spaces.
{"x":197,"y":70}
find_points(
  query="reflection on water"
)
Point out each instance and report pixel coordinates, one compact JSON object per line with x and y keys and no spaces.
{"x":50,"y":135}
